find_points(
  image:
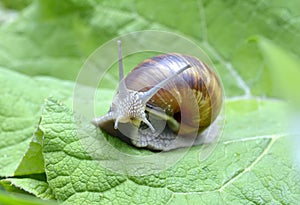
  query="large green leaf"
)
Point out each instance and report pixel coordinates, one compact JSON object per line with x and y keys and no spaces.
{"x":249,"y":165}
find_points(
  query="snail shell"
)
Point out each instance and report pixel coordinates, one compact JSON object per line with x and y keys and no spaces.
{"x":201,"y":79}
{"x":187,"y":113}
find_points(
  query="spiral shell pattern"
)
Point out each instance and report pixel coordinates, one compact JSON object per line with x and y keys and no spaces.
{"x":173,"y":98}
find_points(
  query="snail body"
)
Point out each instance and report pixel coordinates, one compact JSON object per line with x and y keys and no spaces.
{"x":166,"y":102}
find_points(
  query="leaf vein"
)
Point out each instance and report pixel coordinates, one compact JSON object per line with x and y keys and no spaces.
{"x":247,"y":169}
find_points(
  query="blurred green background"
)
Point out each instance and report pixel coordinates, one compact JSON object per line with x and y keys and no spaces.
{"x":53,"y":38}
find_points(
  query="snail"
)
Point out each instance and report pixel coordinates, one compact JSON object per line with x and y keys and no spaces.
{"x":166,"y":102}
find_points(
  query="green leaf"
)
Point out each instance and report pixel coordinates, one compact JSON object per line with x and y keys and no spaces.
{"x":68,"y":40}
{"x":36,"y":187}
{"x":256,"y":156}
{"x":20,"y":108}
{"x":22,"y":199}
{"x":33,"y":161}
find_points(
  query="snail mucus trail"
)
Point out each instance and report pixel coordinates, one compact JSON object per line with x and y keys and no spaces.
{"x":137,"y":107}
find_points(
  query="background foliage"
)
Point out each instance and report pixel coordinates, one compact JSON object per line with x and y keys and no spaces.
{"x":254,"y":46}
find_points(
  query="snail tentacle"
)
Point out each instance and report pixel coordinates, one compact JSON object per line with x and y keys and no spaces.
{"x":149,"y":94}
{"x":122,"y":86}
